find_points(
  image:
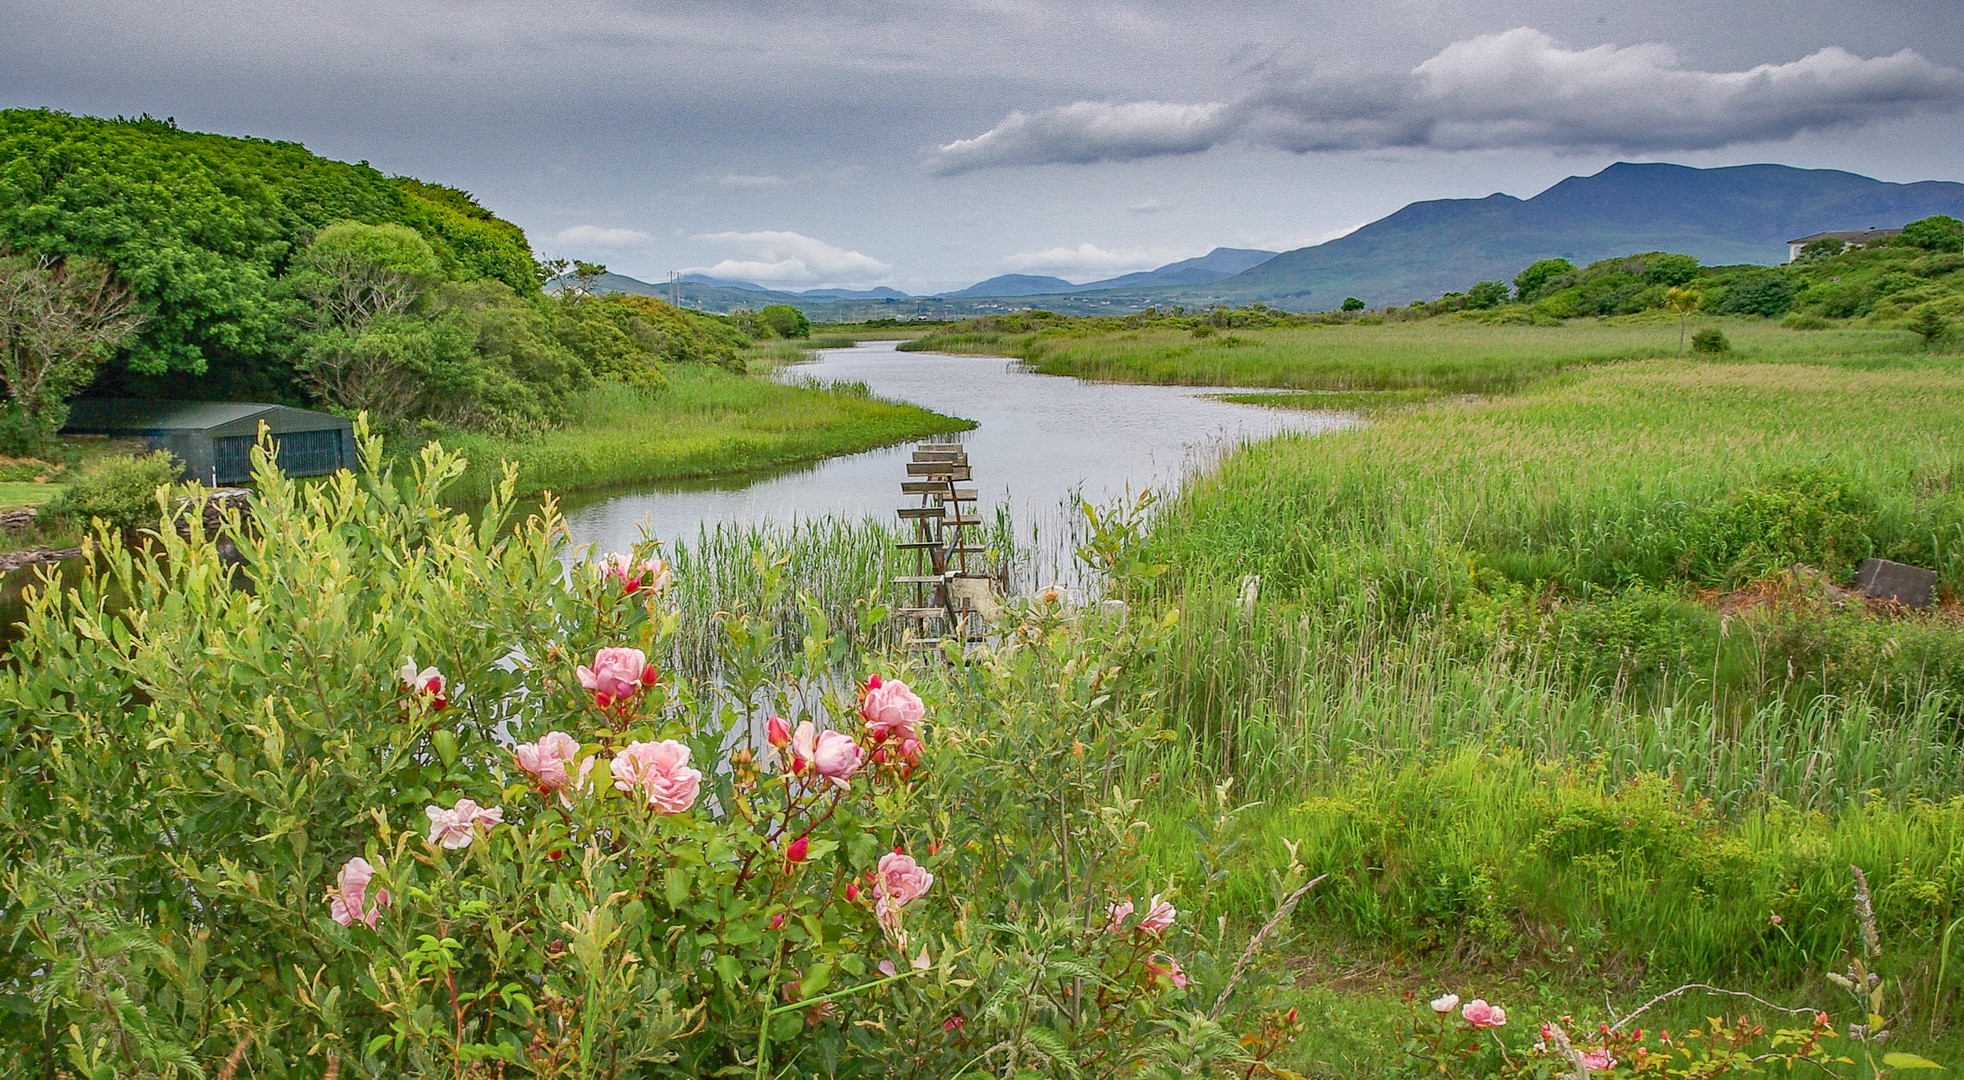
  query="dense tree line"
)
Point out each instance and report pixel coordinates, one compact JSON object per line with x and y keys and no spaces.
{"x":248,"y":268}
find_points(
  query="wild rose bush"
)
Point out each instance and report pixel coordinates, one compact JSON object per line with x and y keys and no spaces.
{"x":388,"y":793}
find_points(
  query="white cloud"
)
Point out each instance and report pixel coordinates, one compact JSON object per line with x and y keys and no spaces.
{"x":755,"y":182}
{"x":1336,"y":233}
{"x":595,"y":236}
{"x":1149,"y":206}
{"x":1521,"y":88}
{"x":1090,"y":261}
{"x":789,"y":258}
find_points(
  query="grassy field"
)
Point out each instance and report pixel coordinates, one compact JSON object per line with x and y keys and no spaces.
{"x":707,"y":422}
{"x":22,"y":493}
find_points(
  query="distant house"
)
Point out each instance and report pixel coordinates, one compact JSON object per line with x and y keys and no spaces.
{"x":1854,"y":238}
{"x":214,"y":439}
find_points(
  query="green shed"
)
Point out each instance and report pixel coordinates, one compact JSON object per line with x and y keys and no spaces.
{"x":214,"y":439}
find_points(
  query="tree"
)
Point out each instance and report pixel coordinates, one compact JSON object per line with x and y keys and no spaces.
{"x":1668,"y":269}
{"x":1684,"y":300}
{"x":1351,"y":303}
{"x":58,"y":319}
{"x":1929,"y":324}
{"x":785,"y":321}
{"x":1939,"y":233}
{"x":353,"y":274}
{"x":1487,"y":294}
{"x":1535,"y":282}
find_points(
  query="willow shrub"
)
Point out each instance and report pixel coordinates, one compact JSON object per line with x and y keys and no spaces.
{"x":363,"y":788}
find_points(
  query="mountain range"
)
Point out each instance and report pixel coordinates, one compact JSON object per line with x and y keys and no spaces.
{"x":1737,"y":214}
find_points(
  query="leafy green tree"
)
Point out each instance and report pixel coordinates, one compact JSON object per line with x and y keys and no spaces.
{"x":1487,"y":294}
{"x":1929,"y":324}
{"x":1664,"y":268}
{"x":1939,"y":233}
{"x":785,"y":321}
{"x":58,"y":319}
{"x":1768,"y":292}
{"x":1540,"y":278}
{"x":1351,"y":303}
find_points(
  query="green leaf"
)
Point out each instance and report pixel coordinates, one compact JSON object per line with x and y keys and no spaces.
{"x":1896,"y":1059}
{"x":729,"y":970}
{"x":815,"y":979}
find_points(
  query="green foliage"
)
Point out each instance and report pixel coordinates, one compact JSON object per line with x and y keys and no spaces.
{"x":1710,"y":340}
{"x":1351,"y":303}
{"x":785,"y":321}
{"x":203,"y":227}
{"x":1928,"y":323}
{"x":1827,"y":247}
{"x":1667,"y":269}
{"x":1768,"y":292}
{"x":1536,"y":281}
{"x":121,"y":492}
{"x":1939,"y":233}
{"x":1487,"y":294}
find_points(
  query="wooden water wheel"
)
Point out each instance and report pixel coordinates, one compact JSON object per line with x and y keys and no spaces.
{"x":950,"y":588}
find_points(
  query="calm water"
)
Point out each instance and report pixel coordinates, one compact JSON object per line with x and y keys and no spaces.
{"x":1039,"y":440}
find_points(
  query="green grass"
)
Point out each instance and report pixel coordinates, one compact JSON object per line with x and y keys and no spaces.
{"x":707,"y":422}
{"x":14,"y":494}
{"x":1438,"y":354}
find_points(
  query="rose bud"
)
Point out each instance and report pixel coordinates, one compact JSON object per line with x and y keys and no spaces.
{"x":778,"y":733}
{"x":796,"y":850}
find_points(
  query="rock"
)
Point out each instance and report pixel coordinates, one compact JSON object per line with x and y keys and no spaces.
{"x":1911,"y":586}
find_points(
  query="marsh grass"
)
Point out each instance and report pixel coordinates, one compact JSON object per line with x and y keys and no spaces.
{"x":706,"y":422}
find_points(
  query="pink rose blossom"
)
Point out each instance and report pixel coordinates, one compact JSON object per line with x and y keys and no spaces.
{"x":1168,"y":968}
{"x":1598,"y":1061}
{"x":454,"y":828}
{"x":1116,"y":915}
{"x":891,"y":710}
{"x":831,"y":754}
{"x":661,"y":770}
{"x":1159,"y":916}
{"x":347,"y":902}
{"x":427,"y":682}
{"x":652,"y":573}
{"x":777,"y":732}
{"x":900,"y":881}
{"x":797,"y":850}
{"x":1482,"y":1015}
{"x":616,"y":675}
{"x":1445,"y":1004}
{"x":548,"y":759}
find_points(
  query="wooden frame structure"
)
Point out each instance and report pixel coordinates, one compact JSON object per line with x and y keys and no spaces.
{"x":950,"y":593}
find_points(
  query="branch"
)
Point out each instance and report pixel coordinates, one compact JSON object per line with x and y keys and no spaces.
{"x":1715,"y":990}
{"x":1254,"y":943}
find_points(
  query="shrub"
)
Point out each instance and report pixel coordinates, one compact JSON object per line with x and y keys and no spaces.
{"x":1928,"y":323}
{"x":1351,"y":303}
{"x":1710,"y":340}
{"x":278,"y":806}
{"x":1801,"y":320}
{"x":1939,"y":233}
{"x":121,"y":492}
{"x":1764,"y":292}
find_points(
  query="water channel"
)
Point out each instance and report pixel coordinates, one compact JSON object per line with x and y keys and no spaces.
{"x":1040,"y":442}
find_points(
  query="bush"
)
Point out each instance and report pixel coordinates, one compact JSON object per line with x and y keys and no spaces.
{"x":1710,"y":340}
{"x":1764,"y":292}
{"x":1939,"y":233}
{"x":283,"y":839}
{"x":121,"y":492}
{"x":1801,"y":320}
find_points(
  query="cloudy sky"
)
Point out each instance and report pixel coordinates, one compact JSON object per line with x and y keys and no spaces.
{"x":929,"y":144}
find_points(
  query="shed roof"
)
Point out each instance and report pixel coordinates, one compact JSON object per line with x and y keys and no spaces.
{"x":217,"y":419}
{"x":1850,"y":236}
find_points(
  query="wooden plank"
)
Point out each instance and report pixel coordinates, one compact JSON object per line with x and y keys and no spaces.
{"x":937,"y":487}
{"x":940,"y":446}
{"x":921,"y":512}
{"x":920,"y":613}
{"x":963,"y":519}
{"x":919,"y":579}
{"x":938,"y":468}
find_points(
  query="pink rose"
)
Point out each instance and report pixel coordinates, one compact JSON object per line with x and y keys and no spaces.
{"x":1482,"y":1015}
{"x":1159,"y":916}
{"x":616,"y":675}
{"x":653,"y":573}
{"x":454,"y":828}
{"x":1448,"y":1002}
{"x":427,"y":682}
{"x":777,"y":732}
{"x":1163,"y":966}
{"x":547,"y":760}
{"x":1598,"y":1061}
{"x":661,"y":770}
{"x":891,"y":710}
{"x":347,"y":902}
{"x":900,"y":880}
{"x":1116,"y":914}
{"x":831,"y":754}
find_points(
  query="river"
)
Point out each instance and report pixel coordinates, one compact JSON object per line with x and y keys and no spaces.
{"x":1040,"y":441}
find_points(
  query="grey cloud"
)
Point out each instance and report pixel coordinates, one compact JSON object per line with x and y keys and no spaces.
{"x":1518,"y":89}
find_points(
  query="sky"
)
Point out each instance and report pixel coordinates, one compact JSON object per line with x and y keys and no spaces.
{"x":926,"y":145}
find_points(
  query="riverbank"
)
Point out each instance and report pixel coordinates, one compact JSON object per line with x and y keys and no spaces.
{"x":706,"y":422}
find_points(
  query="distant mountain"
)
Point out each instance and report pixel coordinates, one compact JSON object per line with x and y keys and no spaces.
{"x":879,"y":293}
{"x":1213,"y":266}
{"x":722,"y":283}
{"x":1741,"y":214}
{"x":1013,"y":285}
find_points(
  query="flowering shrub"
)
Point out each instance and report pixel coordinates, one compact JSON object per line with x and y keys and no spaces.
{"x":244,"y":831}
